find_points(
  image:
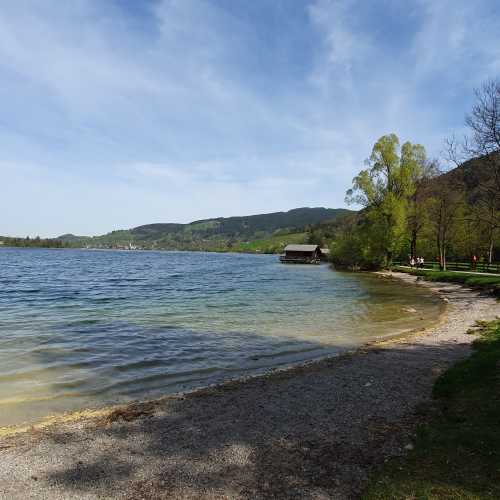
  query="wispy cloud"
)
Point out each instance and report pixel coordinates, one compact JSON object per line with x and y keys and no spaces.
{"x":172,"y":110}
{"x":343,"y":48}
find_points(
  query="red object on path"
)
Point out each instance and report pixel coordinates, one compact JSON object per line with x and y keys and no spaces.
{"x":474,"y":262}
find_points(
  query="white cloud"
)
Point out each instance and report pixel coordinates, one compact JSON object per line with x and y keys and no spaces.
{"x":183,"y":113}
{"x":457,"y":41}
{"x":343,"y":46}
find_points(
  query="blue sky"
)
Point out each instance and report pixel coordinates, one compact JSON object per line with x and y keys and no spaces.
{"x":127,"y":112}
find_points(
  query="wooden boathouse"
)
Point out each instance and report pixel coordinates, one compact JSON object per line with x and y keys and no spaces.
{"x":301,"y":254}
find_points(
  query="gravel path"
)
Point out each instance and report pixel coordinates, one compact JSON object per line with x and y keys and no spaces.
{"x":309,"y":432}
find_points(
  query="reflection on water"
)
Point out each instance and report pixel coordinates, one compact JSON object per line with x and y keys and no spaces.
{"x":86,"y":328}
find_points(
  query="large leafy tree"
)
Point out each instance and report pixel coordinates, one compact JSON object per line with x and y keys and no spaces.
{"x":384,"y":189}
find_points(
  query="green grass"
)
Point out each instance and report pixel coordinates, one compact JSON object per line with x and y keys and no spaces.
{"x":457,"y":452}
{"x":473,"y":280}
{"x":273,"y":244}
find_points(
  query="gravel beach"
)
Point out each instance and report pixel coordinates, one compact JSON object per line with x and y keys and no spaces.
{"x":314,"y":431}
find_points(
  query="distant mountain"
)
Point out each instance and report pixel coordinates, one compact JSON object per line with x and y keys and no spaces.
{"x":221,"y":233}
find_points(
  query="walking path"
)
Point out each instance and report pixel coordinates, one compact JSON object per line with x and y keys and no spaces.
{"x":312,"y":432}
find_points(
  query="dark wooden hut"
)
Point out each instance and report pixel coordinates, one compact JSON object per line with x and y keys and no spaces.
{"x":301,"y":254}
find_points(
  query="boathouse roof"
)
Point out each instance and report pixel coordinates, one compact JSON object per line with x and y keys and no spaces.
{"x":301,"y":248}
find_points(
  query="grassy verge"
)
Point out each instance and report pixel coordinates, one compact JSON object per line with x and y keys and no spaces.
{"x":457,"y":452}
{"x":491,"y":283}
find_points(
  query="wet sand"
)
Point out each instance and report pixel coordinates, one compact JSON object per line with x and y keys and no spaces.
{"x":314,"y":431}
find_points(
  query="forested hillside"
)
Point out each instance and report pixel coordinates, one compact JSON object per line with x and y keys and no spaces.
{"x":254,"y":233}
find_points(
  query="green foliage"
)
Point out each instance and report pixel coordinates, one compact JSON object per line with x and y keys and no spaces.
{"x":392,"y":172}
{"x":384,"y":190}
{"x":456,"y":453}
{"x":325,"y":232}
{"x":346,"y":251}
{"x":410,"y":210}
{"x":33,"y":242}
{"x":357,"y":246}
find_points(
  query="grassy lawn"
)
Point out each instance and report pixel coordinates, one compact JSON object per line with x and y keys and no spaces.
{"x":457,"y":452}
{"x":473,"y":280}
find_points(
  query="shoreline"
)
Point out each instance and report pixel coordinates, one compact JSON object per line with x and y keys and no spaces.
{"x":225,"y":251}
{"x":100,"y":412}
{"x":314,"y":430}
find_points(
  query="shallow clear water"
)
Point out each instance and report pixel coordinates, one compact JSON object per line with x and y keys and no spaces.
{"x":87,"y":328}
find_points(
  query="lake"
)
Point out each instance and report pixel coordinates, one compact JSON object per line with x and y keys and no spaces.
{"x":84,"y":328}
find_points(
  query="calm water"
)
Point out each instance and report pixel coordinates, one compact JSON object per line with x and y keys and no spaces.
{"x":86,"y":328}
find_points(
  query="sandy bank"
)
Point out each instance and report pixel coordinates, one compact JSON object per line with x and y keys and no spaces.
{"x":314,"y":431}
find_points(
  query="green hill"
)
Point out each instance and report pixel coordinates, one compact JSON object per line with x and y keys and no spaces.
{"x":258,"y":233}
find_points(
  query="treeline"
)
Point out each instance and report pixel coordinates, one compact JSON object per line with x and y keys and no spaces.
{"x":412,"y":207}
{"x":33,"y":242}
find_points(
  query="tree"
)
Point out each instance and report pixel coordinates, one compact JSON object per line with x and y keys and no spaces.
{"x":348,"y":250}
{"x":445,"y":208}
{"x":384,"y":189}
{"x":484,"y":125}
{"x":418,"y":203}
{"x":483,"y":143}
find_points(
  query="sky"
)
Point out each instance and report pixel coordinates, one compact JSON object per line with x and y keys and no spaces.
{"x":117,"y":113}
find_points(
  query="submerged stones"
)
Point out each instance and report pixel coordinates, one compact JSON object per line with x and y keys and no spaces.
{"x":409,"y":310}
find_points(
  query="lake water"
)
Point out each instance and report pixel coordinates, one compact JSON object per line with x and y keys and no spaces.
{"x":87,"y":328}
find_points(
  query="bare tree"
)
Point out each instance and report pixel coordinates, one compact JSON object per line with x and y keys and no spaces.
{"x":483,"y":145}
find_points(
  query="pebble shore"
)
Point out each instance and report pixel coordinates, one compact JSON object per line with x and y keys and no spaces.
{"x":314,"y":431}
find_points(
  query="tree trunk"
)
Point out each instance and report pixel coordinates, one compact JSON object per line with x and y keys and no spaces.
{"x":388,"y":258}
{"x":442,"y":257}
{"x":442,"y":253}
{"x":413,"y":244}
{"x":438,"y":244}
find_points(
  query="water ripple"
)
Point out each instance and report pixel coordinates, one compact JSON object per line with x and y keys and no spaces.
{"x":85,"y":328}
